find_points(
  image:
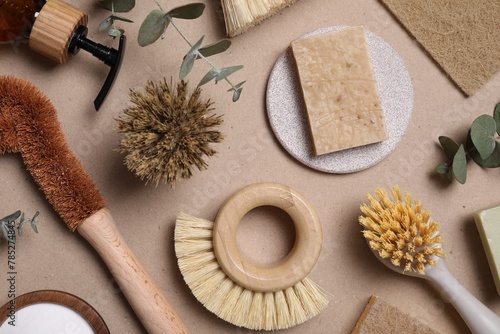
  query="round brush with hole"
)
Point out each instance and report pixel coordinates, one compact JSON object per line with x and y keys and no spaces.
{"x":29,"y":126}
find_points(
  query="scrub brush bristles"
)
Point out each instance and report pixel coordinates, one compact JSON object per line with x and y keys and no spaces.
{"x":241,"y":15}
{"x":401,"y":230}
{"x":227,"y":299}
{"x":167,"y":132}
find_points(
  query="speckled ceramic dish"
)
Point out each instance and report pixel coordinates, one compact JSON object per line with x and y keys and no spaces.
{"x":288,"y":119}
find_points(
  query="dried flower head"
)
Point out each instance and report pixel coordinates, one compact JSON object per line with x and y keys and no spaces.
{"x":401,"y":231}
{"x":167,"y":132}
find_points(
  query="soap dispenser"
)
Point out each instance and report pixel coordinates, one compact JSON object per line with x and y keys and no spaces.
{"x":56,"y":30}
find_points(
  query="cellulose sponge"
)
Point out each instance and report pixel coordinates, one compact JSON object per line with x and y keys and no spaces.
{"x":381,"y":318}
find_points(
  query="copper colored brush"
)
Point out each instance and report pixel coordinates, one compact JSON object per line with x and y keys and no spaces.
{"x":29,"y":126}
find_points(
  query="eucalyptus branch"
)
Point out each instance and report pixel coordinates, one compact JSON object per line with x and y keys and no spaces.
{"x":155,"y":26}
{"x":16,"y":221}
{"x":482,"y":145}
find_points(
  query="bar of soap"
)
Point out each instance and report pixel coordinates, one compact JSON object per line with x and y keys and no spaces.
{"x":488,"y":226}
{"x":339,"y":89}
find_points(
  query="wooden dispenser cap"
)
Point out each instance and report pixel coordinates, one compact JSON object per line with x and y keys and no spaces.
{"x":53,"y":29}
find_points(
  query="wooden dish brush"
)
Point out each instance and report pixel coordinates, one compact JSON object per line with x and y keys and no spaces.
{"x":242,"y":292}
{"x":402,"y":234}
{"x":241,"y":15}
{"x":29,"y":125}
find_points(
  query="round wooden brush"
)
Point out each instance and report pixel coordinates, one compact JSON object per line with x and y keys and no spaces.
{"x":29,"y":125}
{"x":402,"y":234}
{"x":242,"y":292}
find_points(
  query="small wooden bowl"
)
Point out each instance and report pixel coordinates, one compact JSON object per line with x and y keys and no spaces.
{"x":60,"y":298}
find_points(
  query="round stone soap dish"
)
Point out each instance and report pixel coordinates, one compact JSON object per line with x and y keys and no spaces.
{"x":288,"y":118}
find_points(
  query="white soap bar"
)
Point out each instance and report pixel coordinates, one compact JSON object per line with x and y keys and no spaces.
{"x":488,"y":225}
{"x":339,"y":90}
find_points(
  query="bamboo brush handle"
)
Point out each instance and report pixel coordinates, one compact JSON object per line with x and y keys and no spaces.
{"x":145,"y":297}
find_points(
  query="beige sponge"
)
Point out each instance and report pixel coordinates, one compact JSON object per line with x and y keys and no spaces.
{"x":382,"y":318}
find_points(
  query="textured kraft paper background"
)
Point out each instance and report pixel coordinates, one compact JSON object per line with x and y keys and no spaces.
{"x":59,"y":259}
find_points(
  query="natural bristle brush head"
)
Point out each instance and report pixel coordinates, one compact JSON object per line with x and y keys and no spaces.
{"x":239,"y":291}
{"x":29,"y":125}
{"x":401,"y":232}
{"x":241,"y":15}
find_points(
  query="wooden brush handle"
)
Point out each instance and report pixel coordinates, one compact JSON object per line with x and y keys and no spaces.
{"x":146,"y":299}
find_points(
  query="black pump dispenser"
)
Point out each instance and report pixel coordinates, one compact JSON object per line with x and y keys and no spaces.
{"x":109,"y":56}
{"x":56,"y":29}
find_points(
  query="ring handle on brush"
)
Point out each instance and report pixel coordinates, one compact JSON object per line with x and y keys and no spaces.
{"x":290,"y":270}
{"x":146,"y":299}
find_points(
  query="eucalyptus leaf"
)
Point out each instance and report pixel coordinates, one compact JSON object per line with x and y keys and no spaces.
{"x":115,"y":32}
{"x":227,"y":71}
{"x":443,"y":168}
{"x":483,"y":131}
{"x":208,"y":77}
{"x":152,"y":28}
{"x":121,"y":18}
{"x":20,"y":228}
{"x":237,"y":91}
{"x":236,"y":94}
{"x":11,"y":217}
{"x":236,"y":87}
{"x":496,"y":116}
{"x":118,"y":5}
{"x":460,"y":165}
{"x":33,"y":226}
{"x":215,"y":48}
{"x":187,"y":12}
{"x":5,"y":231}
{"x":449,"y":146}
{"x":189,"y":59}
{"x":106,"y":23}
{"x":493,"y":161}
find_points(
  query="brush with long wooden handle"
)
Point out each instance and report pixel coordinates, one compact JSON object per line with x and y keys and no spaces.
{"x":29,"y":125}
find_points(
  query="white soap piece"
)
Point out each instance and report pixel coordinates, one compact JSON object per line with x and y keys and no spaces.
{"x":488,"y":225}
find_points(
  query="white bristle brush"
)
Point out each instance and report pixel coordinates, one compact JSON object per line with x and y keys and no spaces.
{"x":242,"y":292}
{"x":241,"y":15}
{"x":401,"y":233}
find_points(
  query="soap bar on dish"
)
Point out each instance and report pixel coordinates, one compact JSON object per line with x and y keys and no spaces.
{"x":488,"y":225}
{"x":339,"y":89}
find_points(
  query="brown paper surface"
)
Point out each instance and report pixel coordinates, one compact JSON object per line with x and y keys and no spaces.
{"x":56,"y":258}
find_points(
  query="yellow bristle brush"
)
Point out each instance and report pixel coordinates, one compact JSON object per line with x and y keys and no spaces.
{"x":29,"y":126}
{"x":242,"y":292}
{"x":402,"y":234}
{"x":241,"y":15}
